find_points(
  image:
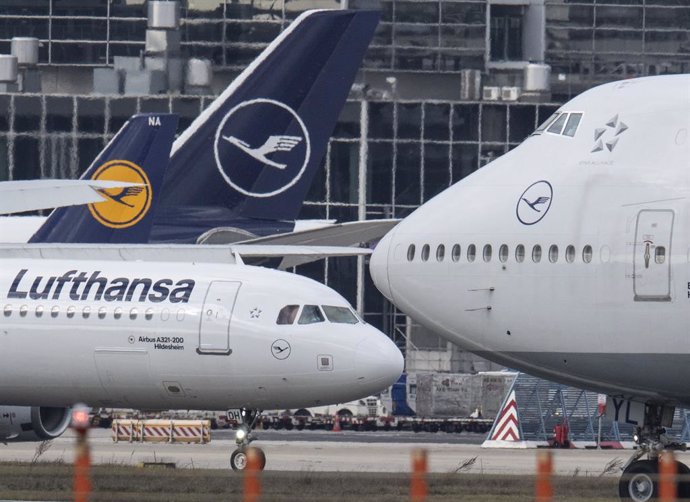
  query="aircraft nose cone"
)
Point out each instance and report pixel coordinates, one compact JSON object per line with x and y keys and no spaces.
{"x":378,"y":362}
{"x":378,"y":265}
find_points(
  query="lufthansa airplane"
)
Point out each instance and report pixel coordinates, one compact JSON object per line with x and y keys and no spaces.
{"x":242,"y":169}
{"x":568,"y":257}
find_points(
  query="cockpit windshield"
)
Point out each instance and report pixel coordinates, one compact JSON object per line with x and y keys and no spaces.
{"x":287,"y":314}
{"x":311,"y":314}
{"x":340,"y":315}
{"x":561,"y":123}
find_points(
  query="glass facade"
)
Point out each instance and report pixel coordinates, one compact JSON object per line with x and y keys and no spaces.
{"x":410,"y":149}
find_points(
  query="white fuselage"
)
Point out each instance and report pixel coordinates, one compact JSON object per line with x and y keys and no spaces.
{"x":614,"y":319}
{"x":202,"y":336}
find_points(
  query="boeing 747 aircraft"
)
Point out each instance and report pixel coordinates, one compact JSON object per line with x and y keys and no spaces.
{"x":568,"y":257}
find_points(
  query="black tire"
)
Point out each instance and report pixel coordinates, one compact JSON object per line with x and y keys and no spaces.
{"x":638,"y":482}
{"x":238,"y":459}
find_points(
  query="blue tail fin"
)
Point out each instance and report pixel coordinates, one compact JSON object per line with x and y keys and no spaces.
{"x":138,"y":154}
{"x":254,"y":152}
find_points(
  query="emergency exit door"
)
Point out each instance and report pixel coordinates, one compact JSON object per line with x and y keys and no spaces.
{"x":652,"y":255}
{"x":214,"y":331}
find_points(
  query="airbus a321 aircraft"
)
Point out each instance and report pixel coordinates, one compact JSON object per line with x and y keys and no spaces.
{"x":568,"y":257}
{"x":154,"y":335}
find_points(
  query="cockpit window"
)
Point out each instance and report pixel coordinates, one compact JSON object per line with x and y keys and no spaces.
{"x":571,"y":125}
{"x":287,"y":314}
{"x":310,"y":314}
{"x":547,"y":123}
{"x":339,"y":315}
{"x":558,"y":124}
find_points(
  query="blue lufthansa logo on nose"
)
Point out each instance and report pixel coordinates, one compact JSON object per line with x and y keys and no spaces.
{"x":534,"y":202}
{"x":262,"y":147}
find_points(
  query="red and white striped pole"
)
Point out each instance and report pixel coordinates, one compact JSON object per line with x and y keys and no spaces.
{"x":418,"y":485}
{"x":82,"y":458}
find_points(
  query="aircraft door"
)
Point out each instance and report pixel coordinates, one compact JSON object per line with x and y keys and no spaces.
{"x":652,"y":255}
{"x":214,"y":330}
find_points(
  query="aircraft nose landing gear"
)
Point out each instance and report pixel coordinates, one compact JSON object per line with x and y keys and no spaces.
{"x":639,"y":481}
{"x":243,"y":437}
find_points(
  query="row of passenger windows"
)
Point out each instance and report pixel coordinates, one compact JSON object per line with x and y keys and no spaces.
{"x":87,"y":312}
{"x":503,"y":253}
{"x":311,"y":314}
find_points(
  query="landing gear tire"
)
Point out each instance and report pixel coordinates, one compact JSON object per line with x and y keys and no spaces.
{"x":638,"y":482}
{"x":238,"y":459}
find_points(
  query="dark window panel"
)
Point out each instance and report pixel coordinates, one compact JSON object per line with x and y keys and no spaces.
{"x":131,"y":8}
{"x":32,"y":8}
{"x":570,"y":16}
{"x":465,"y":122}
{"x":617,"y":41}
{"x":188,"y":109}
{"x":126,"y":49}
{"x":252,"y":33}
{"x":59,"y":113}
{"x":409,"y":120}
{"x":490,"y":152}
{"x":312,"y":212}
{"x":378,"y":58}
{"x":238,"y":56}
{"x":121,"y":109}
{"x":380,"y":173}
{"x":88,"y":150}
{"x":383,"y":35}
{"x":91,"y":115}
{"x":5,"y":115}
{"x":463,"y":13}
{"x":315,"y":270}
{"x":26,"y":158}
{"x":128,"y":30}
{"x":317,"y":189}
{"x":494,"y":123}
{"x":437,"y":169}
{"x":623,"y":2}
{"x":667,"y":3}
{"x":26,"y":27}
{"x":416,"y":12}
{"x":416,"y":35}
{"x":4,"y":159}
{"x":78,"y":53}
{"x":259,"y":10}
{"x":657,"y":17}
{"x":343,"y":213}
{"x":27,"y":117}
{"x":342,"y":273}
{"x":79,"y":29}
{"x":407,"y":174}
{"x":381,"y":120}
{"x":619,"y":17}
{"x":570,"y":40}
{"x":465,"y":160}
{"x":348,"y":125}
{"x":154,"y":105}
{"x":344,"y":172}
{"x":453,"y":61}
{"x":58,"y":150}
{"x":203,"y":9}
{"x":71,"y":8}
{"x":416,"y":59}
{"x":436,"y":122}
{"x":521,"y":123}
{"x":667,"y":42}
{"x":202,"y":31}
{"x":506,"y":32}
{"x":464,"y":37}
{"x":544,"y":112}
{"x":373,"y":302}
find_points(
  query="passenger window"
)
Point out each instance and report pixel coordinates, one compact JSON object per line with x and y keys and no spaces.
{"x":86,"y":312}
{"x":23,"y":310}
{"x":553,"y":253}
{"x":39,"y":311}
{"x":71,"y":311}
{"x":149,"y":314}
{"x":425,"y":252}
{"x":339,"y":315}
{"x":587,"y":254}
{"x":117,"y":313}
{"x":455,"y":253}
{"x":133,"y":314}
{"x":101,"y":313}
{"x":660,"y":255}
{"x":487,"y":253}
{"x":558,"y":124}
{"x":536,"y":253}
{"x":310,"y":314}
{"x":410,"y":255}
{"x":54,"y":311}
{"x":520,"y":253}
{"x":570,"y":254}
{"x":440,"y":252}
{"x":287,"y":314}
{"x":471,"y":253}
{"x":8,"y":310}
{"x":180,"y":315}
{"x":503,"y":253}
{"x":572,"y":124}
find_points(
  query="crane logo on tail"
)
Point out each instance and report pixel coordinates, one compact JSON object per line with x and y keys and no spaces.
{"x":534,"y":203}
{"x":122,"y":207}
{"x":262,"y":147}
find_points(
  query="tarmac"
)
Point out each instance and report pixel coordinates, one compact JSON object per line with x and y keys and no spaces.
{"x":314,"y":454}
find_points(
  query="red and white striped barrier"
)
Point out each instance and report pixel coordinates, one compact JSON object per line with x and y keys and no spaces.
{"x":171,"y":431}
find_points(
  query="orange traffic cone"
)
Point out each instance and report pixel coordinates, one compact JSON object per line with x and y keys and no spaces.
{"x":336,"y":423}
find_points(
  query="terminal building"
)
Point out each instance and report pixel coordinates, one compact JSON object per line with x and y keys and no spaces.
{"x":446,"y":86}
